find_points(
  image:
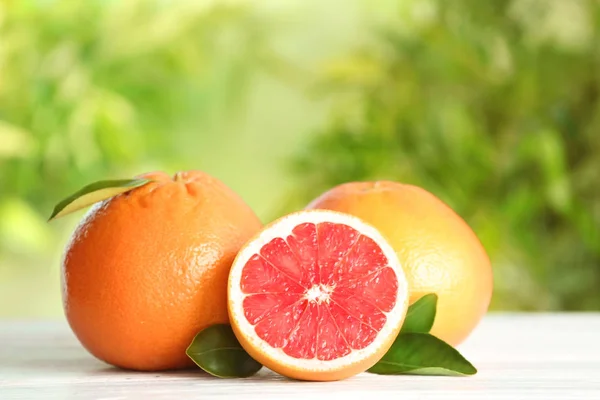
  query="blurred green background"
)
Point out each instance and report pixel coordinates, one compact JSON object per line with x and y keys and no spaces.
{"x":493,"y":106}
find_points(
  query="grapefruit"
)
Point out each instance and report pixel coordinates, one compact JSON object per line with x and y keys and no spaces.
{"x":437,"y":249}
{"x":147,"y":269}
{"x":317,"y":295}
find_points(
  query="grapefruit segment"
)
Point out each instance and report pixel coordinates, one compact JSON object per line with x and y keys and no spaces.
{"x":300,"y":343}
{"x":278,"y":327}
{"x":362,"y":259}
{"x":378,"y":288}
{"x":357,"y":333}
{"x":356,"y":307}
{"x":317,"y":295}
{"x":303,"y":243}
{"x":262,"y":276}
{"x":278,"y":253}
{"x":261,"y":305}
{"x":337,"y":240}
{"x":331,"y":343}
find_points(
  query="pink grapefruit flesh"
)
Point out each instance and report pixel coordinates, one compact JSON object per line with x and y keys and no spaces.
{"x":317,"y":295}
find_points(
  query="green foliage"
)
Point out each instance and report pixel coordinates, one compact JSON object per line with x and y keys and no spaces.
{"x":95,"y":193}
{"x":491,"y":105}
{"x":494,"y":107}
{"x":217,"y":351}
{"x":421,"y":315}
{"x":417,"y":353}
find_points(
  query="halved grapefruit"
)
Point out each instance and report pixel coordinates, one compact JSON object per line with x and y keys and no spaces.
{"x":317,"y":295}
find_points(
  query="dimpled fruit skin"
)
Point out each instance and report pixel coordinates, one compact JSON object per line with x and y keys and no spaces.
{"x":146,"y":270}
{"x":438,"y":251}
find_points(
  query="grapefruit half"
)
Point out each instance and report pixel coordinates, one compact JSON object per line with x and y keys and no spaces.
{"x":317,"y":295}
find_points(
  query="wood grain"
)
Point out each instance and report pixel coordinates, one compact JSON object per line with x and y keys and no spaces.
{"x":529,"y":356}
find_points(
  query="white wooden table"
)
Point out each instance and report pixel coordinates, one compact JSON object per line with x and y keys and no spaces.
{"x":533,"y":356}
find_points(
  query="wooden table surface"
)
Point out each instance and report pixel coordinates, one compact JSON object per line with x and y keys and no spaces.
{"x":533,"y":356}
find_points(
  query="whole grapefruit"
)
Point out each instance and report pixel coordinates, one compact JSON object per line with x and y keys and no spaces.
{"x":146,"y":270}
{"x":437,"y":250}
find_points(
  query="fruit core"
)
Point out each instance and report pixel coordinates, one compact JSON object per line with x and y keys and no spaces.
{"x":318,"y":294}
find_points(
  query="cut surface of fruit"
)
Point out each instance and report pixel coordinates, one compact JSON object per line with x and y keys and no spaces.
{"x":317,"y":295}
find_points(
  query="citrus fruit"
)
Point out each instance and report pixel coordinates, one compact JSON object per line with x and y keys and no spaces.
{"x":437,"y":249}
{"x":317,"y":295}
{"x":147,"y":269}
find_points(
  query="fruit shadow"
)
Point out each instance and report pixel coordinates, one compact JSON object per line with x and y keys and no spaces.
{"x":74,"y":365}
{"x":264,"y":376}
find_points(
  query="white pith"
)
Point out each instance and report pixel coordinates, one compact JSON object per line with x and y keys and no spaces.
{"x":318,"y":293}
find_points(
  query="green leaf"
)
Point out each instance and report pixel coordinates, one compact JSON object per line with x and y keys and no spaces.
{"x":421,"y":314}
{"x":422,"y":354}
{"x":94,"y":193}
{"x":217,"y":351}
